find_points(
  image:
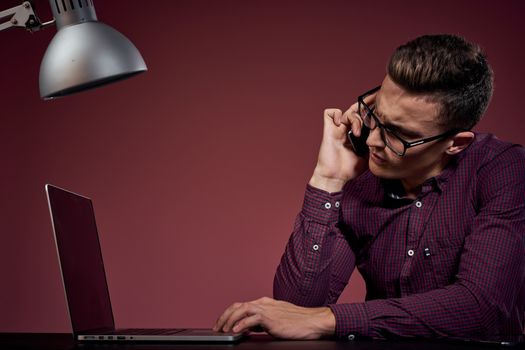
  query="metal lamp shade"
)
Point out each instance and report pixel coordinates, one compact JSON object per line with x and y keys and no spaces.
{"x":84,"y":56}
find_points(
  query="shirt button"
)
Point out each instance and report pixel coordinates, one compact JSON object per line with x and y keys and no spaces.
{"x":351,"y":337}
{"x":327,"y":205}
{"x":315,"y":247}
{"x":410,"y":252}
{"x":419,"y":204}
{"x":337,"y":204}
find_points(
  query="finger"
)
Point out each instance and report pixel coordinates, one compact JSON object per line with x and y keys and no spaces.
{"x":253,"y":321}
{"x":219,"y":324}
{"x":224,"y":316}
{"x":353,"y":120}
{"x":237,"y":315}
{"x":335,"y":114}
{"x":357,"y":124}
{"x":353,"y":108}
{"x":371,"y":99}
{"x":265,"y":301}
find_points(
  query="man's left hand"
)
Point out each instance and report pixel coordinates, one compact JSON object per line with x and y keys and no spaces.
{"x":279,"y":318}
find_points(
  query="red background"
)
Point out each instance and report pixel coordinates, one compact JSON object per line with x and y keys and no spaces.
{"x":198,"y":167}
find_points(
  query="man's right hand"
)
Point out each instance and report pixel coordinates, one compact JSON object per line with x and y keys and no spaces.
{"x":337,"y":163}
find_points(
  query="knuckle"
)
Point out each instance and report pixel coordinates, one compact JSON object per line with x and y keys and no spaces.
{"x":264,"y":321}
{"x":245,"y":307}
{"x":331,"y":111}
{"x":354,"y":117}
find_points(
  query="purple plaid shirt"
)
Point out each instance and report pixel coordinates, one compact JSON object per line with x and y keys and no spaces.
{"x":449,"y":263}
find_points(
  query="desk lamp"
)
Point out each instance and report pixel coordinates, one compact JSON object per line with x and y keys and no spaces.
{"x":83,"y":54}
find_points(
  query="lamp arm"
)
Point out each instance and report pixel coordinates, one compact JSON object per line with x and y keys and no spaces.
{"x":22,"y":16}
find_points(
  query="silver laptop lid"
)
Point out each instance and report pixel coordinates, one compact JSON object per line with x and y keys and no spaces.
{"x":81,"y":264}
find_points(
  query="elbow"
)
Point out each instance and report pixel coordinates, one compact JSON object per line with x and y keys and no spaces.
{"x":302,"y":292}
{"x":495,"y":315}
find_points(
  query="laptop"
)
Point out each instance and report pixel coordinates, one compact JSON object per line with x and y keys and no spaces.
{"x":84,"y":278}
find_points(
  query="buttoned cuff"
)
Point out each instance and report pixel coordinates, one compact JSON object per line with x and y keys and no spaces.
{"x":351,"y":320}
{"x":321,"y":206}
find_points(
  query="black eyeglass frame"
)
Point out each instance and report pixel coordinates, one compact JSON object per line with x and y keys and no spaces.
{"x":382,"y":127}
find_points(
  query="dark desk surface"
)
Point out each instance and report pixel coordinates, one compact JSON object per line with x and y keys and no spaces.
{"x":60,"y":341}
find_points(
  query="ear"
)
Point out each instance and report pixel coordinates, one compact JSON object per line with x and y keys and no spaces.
{"x":459,"y":142}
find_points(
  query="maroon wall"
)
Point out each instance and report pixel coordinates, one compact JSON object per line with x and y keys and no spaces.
{"x":197,"y":168}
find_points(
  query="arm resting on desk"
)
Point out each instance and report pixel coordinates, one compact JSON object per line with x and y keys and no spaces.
{"x":486,"y":298}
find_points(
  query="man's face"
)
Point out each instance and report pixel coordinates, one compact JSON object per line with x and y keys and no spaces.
{"x":412,"y":117}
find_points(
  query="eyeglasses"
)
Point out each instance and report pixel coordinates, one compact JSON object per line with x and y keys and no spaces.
{"x":392,"y":140}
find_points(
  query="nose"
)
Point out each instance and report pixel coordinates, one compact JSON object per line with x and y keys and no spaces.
{"x":374,"y":139}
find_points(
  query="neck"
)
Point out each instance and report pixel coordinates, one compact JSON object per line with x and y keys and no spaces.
{"x":411,"y":191}
{"x":412,"y":185}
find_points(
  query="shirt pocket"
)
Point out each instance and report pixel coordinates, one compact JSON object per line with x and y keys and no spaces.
{"x":443,"y":260}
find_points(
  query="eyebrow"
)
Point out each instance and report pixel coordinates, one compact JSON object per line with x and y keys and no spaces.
{"x":395,"y":127}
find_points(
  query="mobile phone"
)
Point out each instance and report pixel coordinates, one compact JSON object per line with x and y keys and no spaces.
{"x":497,"y":340}
{"x":359,"y":143}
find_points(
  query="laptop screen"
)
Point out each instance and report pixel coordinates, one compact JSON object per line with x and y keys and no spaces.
{"x":80,"y":260}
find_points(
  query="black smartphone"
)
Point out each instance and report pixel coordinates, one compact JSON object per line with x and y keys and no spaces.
{"x":497,"y":340}
{"x":359,"y":143}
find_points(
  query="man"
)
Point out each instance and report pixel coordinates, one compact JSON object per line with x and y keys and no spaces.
{"x":435,"y":225}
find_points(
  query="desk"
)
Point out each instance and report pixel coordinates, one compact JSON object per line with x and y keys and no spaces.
{"x":61,"y":341}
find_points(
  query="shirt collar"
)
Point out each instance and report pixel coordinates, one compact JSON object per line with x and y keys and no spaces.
{"x":395,"y":193}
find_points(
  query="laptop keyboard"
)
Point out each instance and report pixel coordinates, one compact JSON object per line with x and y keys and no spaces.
{"x":148,"y":331}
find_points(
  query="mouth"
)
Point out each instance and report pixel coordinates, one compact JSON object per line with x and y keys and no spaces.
{"x":377,"y":159}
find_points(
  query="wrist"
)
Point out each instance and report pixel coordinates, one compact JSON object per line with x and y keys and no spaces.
{"x":326,"y":322}
{"x":326,"y":184}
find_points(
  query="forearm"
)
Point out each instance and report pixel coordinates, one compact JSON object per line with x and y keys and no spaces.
{"x":302,"y":276}
{"x":317,"y":262}
{"x":458,"y":310}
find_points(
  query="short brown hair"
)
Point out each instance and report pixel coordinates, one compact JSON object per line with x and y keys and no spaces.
{"x":452,"y":71}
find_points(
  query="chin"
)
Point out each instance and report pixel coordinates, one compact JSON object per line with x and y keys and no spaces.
{"x":384,"y":172}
